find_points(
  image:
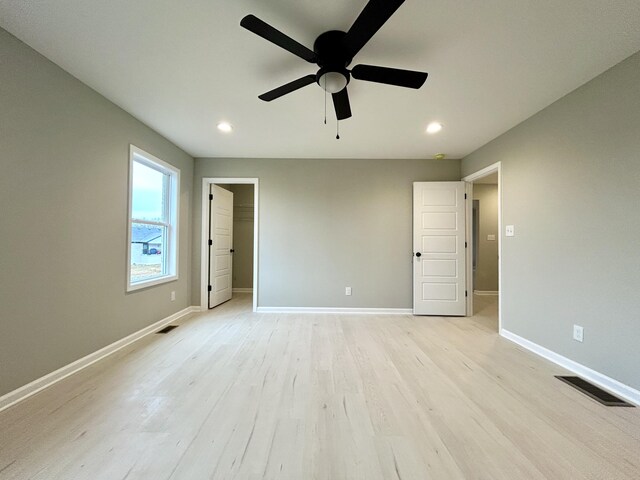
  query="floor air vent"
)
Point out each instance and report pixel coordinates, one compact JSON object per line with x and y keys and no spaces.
{"x":167,"y":329}
{"x":594,"y":392}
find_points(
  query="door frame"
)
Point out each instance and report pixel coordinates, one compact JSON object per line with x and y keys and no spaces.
{"x":496,"y":167}
{"x":204,"y":240}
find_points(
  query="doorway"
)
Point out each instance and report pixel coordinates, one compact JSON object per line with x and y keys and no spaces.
{"x":236,"y":272}
{"x":484,"y":227}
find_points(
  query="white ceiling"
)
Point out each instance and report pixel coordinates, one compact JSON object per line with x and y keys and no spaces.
{"x":181,"y":67}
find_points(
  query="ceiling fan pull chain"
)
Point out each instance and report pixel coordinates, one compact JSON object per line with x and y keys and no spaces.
{"x":337,"y":129}
{"x":325,"y":108}
{"x":325,"y":102}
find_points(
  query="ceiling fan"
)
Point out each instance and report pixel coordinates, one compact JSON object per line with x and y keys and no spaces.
{"x":333,"y":51}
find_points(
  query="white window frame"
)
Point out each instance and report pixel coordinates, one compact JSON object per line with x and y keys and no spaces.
{"x":173,"y":199}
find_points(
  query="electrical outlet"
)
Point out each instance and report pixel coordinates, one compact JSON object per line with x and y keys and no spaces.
{"x":578,"y":333}
{"x":347,"y":290}
{"x":510,"y":231}
{"x":173,"y":295}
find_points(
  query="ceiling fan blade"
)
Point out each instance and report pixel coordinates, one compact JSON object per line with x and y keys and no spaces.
{"x":341,"y":104}
{"x":372,"y":17}
{"x":266,"y":31}
{"x":287,"y":88}
{"x":390,"y":76}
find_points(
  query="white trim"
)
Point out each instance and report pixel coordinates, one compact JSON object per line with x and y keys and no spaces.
{"x":469,"y":242}
{"x":485,"y":172}
{"x":242,"y":290}
{"x":173,"y":225}
{"x":204,"y":238}
{"x":50,"y":379}
{"x":496,"y":167}
{"x":150,"y":283}
{"x":485,"y":292}
{"x":620,"y":389}
{"x":354,"y":311}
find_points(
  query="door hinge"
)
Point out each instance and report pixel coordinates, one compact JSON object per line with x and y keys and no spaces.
{"x":465,"y":293}
{"x":211,"y":196}
{"x":465,"y":196}
{"x":465,"y":244}
{"x":210,"y":288}
{"x":210,"y":242}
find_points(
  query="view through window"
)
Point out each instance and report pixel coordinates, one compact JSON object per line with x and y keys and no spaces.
{"x":153,"y":220}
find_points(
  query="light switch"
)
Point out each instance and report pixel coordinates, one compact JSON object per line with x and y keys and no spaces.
{"x":510,"y":231}
{"x":491,"y":238}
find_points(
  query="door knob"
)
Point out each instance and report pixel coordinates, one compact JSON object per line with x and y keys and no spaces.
{"x":231,"y":250}
{"x":418,"y":254}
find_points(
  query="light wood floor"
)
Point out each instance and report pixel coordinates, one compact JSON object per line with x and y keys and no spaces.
{"x":236,"y":395}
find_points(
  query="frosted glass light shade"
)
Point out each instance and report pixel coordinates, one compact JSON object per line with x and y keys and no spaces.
{"x":333,"y":82}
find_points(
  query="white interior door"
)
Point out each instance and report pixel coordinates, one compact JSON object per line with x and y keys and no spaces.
{"x":439,"y":260}
{"x":220,"y":245}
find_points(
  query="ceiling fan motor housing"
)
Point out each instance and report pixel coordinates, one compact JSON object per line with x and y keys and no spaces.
{"x":333,"y":59}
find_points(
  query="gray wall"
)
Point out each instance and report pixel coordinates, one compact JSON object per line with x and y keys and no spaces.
{"x":327,"y":224}
{"x":487,"y":260}
{"x":571,"y":187}
{"x":64,"y":153}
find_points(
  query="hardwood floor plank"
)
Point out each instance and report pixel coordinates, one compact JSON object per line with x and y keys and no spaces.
{"x":231,"y":394}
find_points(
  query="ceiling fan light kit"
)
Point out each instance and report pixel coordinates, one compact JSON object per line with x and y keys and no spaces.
{"x":333,"y":52}
{"x":333,"y":82}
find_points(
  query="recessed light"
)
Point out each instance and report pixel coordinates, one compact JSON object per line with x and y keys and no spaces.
{"x":225,"y":127}
{"x":434,"y":127}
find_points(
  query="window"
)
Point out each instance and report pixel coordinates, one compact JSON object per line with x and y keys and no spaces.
{"x":153,"y":220}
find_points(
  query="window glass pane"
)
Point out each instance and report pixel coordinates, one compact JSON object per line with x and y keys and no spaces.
{"x":148,"y":256}
{"x":148,"y":195}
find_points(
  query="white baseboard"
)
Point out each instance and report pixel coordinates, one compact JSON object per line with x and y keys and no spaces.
{"x":353,"y":311}
{"x":485,"y":292}
{"x":620,"y":389}
{"x":242,"y":290}
{"x":41,"y":383}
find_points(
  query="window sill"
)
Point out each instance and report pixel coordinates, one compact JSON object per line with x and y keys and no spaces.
{"x":132,"y":287}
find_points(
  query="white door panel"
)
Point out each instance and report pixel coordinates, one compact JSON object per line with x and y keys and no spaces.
{"x":221,"y":235}
{"x":439,"y":248}
{"x":439,"y":268}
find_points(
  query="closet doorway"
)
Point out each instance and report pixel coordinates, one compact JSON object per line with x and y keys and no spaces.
{"x":229,"y":254}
